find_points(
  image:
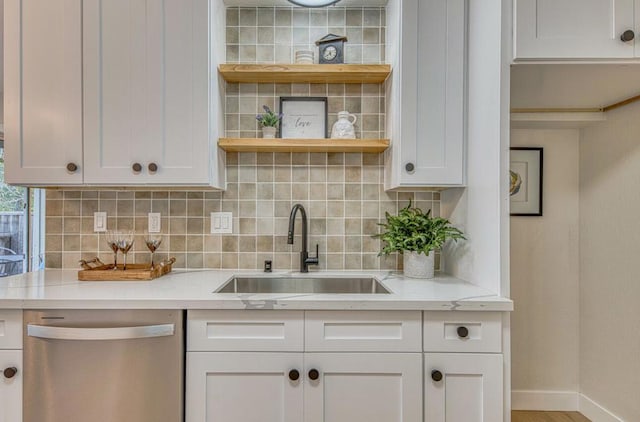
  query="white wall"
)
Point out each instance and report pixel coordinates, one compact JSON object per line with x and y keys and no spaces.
{"x":544,"y":273}
{"x":609,"y":257}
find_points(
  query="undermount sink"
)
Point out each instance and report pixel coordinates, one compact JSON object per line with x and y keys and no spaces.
{"x":339,"y":285}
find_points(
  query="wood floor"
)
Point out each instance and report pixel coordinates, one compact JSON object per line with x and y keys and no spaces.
{"x":530,"y":416}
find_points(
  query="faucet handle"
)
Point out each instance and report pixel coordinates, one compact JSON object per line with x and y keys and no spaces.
{"x":314,"y":260}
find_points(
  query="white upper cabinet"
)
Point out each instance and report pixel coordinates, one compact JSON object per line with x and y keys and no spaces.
{"x":43,"y":91}
{"x":113,"y":93}
{"x":146,"y":94}
{"x":426,"y":95}
{"x":575,"y":29}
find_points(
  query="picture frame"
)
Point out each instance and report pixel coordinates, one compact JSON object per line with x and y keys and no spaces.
{"x":303,"y":117}
{"x":525,"y":187}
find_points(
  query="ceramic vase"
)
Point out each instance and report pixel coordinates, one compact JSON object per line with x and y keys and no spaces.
{"x":418,"y":265}
{"x":268,"y":132}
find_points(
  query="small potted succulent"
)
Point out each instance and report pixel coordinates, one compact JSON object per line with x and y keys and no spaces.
{"x":416,"y":236}
{"x":269,"y":122}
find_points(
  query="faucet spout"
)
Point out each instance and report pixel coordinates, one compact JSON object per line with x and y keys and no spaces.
{"x":305,"y":260}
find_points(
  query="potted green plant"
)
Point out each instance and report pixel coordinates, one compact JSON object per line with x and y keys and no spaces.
{"x":269,"y":122}
{"x":416,"y":236}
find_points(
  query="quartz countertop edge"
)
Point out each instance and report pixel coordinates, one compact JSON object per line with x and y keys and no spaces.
{"x":183,"y":289}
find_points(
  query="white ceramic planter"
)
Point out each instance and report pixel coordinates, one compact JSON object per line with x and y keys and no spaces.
{"x":268,"y":132}
{"x":418,"y":265}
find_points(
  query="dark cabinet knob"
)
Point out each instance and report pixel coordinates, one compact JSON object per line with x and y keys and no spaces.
{"x":314,"y":374}
{"x":463,"y":332}
{"x":10,"y":372}
{"x":153,"y":167}
{"x":137,"y":167}
{"x":294,"y":375}
{"x":72,"y":167}
{"x":410,"y":167}
{"x":436,"y":375}
{"x":627,"y":35}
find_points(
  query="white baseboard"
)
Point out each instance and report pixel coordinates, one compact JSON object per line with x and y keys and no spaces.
{"x":544,"y":400}
{"x":594,"y":411}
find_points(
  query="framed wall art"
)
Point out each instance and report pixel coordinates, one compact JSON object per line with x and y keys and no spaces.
{"x":525,"y":188}
{"x":303,"y":117}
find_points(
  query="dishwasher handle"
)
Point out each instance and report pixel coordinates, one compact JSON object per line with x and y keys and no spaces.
{"x":115,"y":333}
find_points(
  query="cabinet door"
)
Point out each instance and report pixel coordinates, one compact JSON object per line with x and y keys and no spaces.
{"x":146,"y":91}
{"x":11,"y":388}
{"x":247,"y":387}
{"x":470,"y":389}
{"x":373,"y":387}
{"x":43,"y":91}
{"x":573,"y":29}
{"x":432,"y":94}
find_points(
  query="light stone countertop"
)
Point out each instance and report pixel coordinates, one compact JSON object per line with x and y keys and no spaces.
{"x":60,"y":289}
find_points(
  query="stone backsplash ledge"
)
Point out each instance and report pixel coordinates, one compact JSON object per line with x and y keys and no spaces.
{"x":342,"y":193}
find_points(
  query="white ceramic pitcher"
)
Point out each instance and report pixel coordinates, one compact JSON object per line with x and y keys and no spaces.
{"x":343,"y":128}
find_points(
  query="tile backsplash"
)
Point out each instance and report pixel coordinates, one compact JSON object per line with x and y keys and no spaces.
{"x":342,"y":193}
{"x":274,"y":34}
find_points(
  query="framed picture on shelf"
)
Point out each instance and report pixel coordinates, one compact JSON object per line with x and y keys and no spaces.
{"x":303,"y":117}
{"x":525,"y":175}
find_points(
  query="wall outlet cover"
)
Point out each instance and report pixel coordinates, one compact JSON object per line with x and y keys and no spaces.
{"x":221,"y":223}
{"x":153,"y":225}
{"x":99,"y":222}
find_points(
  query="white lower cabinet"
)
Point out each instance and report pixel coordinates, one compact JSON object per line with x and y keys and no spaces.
{"x":10,"y":385}
{"x":372,"y":387}
{"x":463,"y":387}
{"x":244,"y":387}
{"x":343,"y":366}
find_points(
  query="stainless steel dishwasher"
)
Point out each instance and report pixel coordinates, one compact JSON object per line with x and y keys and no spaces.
{"x":103,"y":366}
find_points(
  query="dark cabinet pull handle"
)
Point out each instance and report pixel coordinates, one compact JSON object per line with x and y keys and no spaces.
{"x":627,"y":35}
{"x":10,"y":372}
{"x":410,"y":167}
{"x":137,"y":167}
{"x":72,"y":167}
{"x":314,"y":374}
{"x":294,"y":375}
{"x":463,"y":332}
{"x":436,"y":375}
{"x":153,"y":167}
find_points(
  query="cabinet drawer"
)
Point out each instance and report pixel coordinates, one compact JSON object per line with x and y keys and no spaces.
{"x":11,"y":329}
{"x":463,"y":332}
{"x":362,"y":331}
{"x":245,"y":330}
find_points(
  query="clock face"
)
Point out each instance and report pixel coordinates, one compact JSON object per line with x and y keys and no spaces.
{"x":329,"y":53}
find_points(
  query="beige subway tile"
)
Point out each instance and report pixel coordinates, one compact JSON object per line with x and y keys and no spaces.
{"x":195,"y":243}
{"x":335,"y":158}
{"x":335,"y":191}
{"x":353,"y":244}
{"x":300,"y":191}
{"x":247,"y":226}
{"x":53,"y":243}
{"x":71,"y":225}
{"x":370,"y":244}
{"x":195,"y":225}
{"x":370,"y":262}
{"x":353,"y":209}
{"x":177,"y":225}
{"x":212,"y":260}
{"x":53,"y":225}
{"x":53,"y":260}
{"x":247,"y":208}
{"x":264,"y":174}
{"x":353,"y":192}
{"x":229,"y":243}
{"x":264,"y":243}
{"x":264,"y":191}
{"x":71,"y":242}
{"x":335,"y":261}
{"x":247,"y":191}
{"x":247,"y":244}
{"x":335,"y":226}
{"x":352,"y":261}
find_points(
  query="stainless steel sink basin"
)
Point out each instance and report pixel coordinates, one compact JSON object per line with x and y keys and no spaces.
{"x":340,"y":285}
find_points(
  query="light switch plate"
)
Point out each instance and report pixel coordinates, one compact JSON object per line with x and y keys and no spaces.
{"x":99,"y":222}
{"x":221,"y":222}
{"x":153,"y":223}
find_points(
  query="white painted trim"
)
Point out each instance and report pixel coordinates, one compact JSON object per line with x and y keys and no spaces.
{"x":594,"y":411}
{"x":544,"y":400}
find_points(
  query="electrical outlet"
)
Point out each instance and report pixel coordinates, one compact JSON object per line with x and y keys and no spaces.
{"x":221,"y":222}
{"x":153,"y":224}
{"x":99,"y":222}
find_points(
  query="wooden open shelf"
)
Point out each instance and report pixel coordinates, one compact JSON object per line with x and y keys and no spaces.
{"x":305,"y":73}
{"x":303,"y":145}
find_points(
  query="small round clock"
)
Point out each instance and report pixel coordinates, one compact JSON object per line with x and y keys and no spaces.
{"x":329,"y":53}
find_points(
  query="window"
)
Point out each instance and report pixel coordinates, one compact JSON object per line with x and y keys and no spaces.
{"x":21,"y":226}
